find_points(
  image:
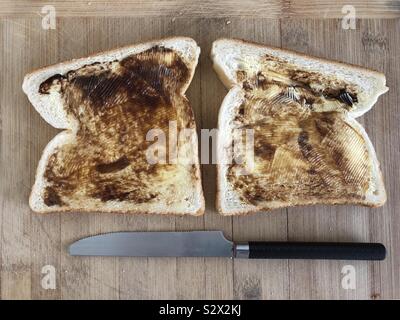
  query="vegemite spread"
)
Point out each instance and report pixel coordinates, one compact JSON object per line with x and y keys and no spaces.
{"x":116,"y":103}
{"x":304,"y":145}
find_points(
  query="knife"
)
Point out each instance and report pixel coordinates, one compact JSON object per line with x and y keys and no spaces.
{"x":214,"y":244}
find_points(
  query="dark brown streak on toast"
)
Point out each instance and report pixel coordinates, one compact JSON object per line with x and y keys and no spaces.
{"x":46,"y":85}
{"x":120,"y":164}
{"x":52,"y":198}
{"x":116,"y":104}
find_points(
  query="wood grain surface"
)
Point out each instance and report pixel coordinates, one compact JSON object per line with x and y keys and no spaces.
{"x":204,"y":8}
{"x":30,"y":241}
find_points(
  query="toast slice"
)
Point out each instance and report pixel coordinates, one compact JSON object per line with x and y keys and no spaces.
{"x":307,"y":146}
{"x":108,"y":106}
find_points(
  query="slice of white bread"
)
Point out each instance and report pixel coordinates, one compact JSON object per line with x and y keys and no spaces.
{"x":107,"y":104}
{"x":308,"y":147}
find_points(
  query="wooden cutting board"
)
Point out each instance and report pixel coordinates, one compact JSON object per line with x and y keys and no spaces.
{"x":31,"y":241}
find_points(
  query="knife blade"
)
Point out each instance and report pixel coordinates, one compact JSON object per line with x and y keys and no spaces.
{"x":214,"y":244}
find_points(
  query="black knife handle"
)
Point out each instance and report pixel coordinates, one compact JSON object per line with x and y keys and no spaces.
{"x":312,"y":250}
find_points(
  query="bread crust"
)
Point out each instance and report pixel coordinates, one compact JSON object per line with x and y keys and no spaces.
{"x":232,"y":83}
{"x":190,"y":61}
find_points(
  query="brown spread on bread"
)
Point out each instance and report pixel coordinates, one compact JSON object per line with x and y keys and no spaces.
{"x":303,"y":144}
{"x":116,"y":103}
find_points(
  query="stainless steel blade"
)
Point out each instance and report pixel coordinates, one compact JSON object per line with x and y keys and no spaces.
{"x":155,"y":244}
